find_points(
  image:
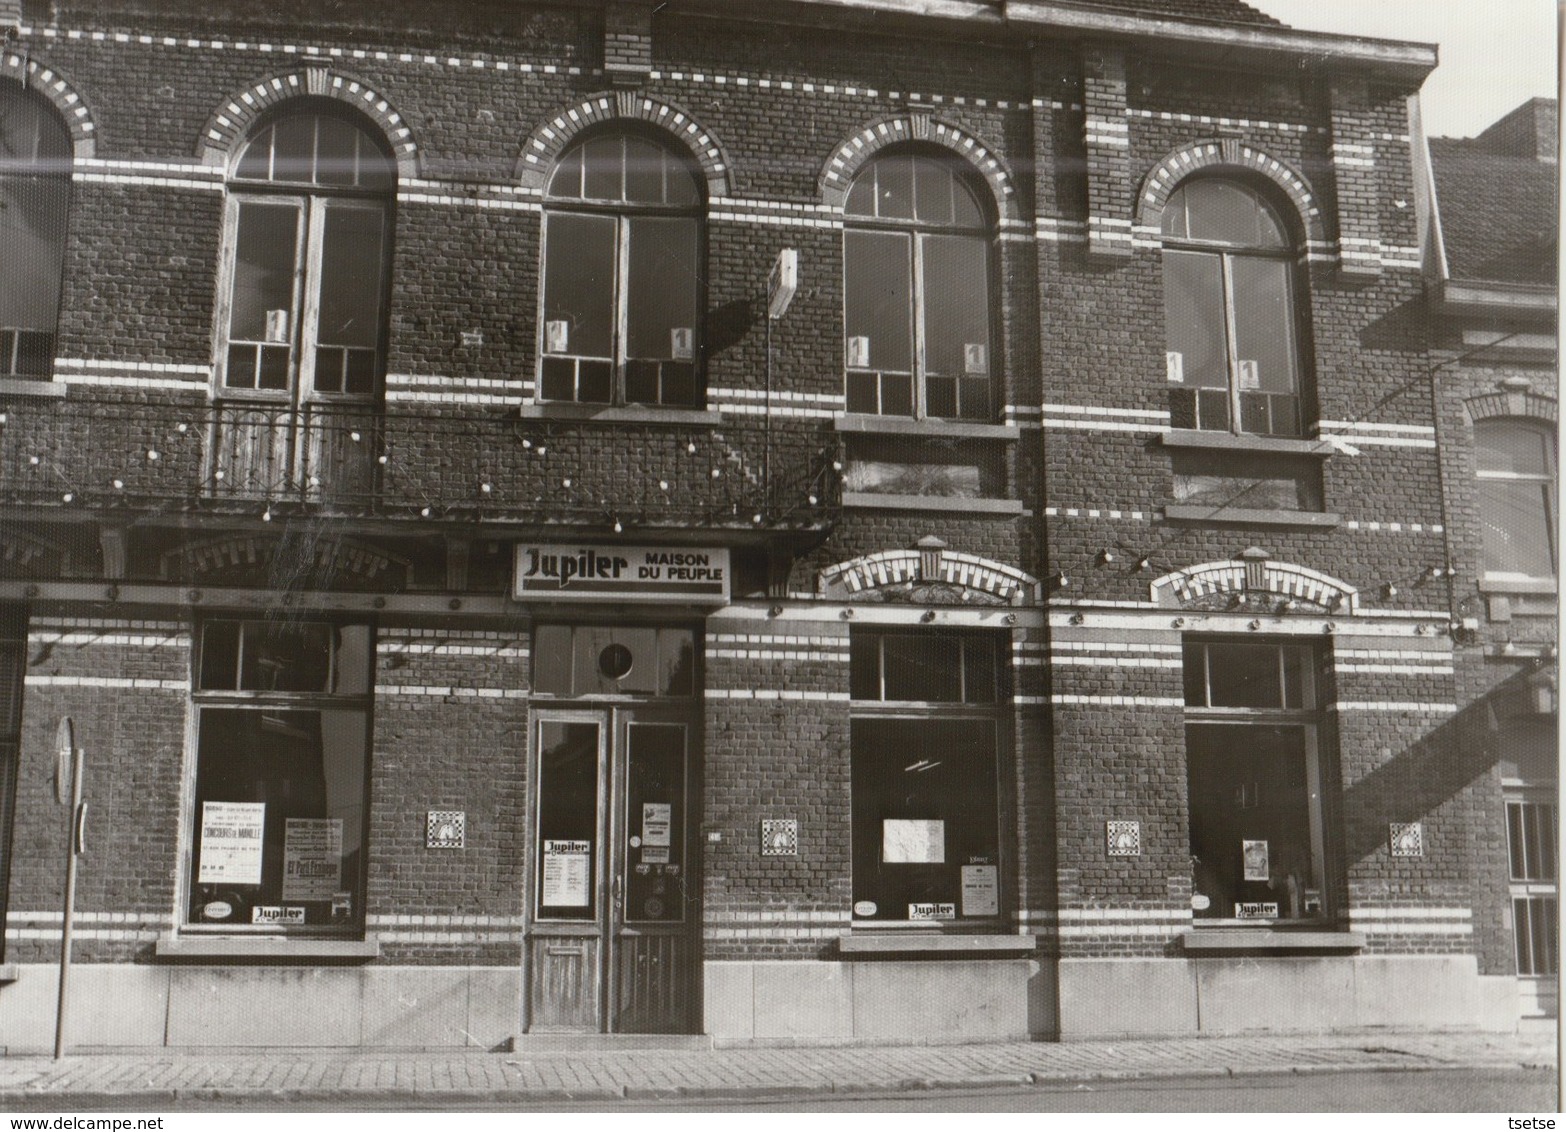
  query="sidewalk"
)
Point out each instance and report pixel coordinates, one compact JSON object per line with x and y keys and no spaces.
{"x":159,"y":1079}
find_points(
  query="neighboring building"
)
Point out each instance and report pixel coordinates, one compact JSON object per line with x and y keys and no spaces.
{"x":483,"y":621}
{"x":1492,"y":255}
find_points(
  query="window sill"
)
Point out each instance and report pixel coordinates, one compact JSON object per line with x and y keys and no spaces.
{"x":1243,"y":442}
{"x":265,"y":947}
{"x":1206,"y":513}
{"x":9,"y":973}
{"x":1490,"y":584}
{"x":618,"y":414}
{"x":881,"y":943}
{"x":911,"y":426}
{"x":888,"y":502}
{"x":1267,"y":939}
{"x":26,"y":387}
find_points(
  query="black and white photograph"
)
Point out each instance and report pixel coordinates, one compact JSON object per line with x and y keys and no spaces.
{"x":795,"y":556}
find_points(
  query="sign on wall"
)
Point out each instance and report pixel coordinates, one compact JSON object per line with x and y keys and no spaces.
{"x":621,"y":573}
{"x":231,"y":836}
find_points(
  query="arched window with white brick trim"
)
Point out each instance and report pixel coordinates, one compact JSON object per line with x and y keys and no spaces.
{"x":35,"y":201}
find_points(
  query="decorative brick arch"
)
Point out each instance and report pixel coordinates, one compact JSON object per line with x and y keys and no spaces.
{"x":1226,"y":153}
{"x":231,"y":123}
{"x":928,"y":575}
{"x":1512,"y":403}
{"x":246,"y":559}
{"x":1254,"y":580}
{"x":20,"y":66}
{"x":545,"y":144}
{"x":850,"y":157}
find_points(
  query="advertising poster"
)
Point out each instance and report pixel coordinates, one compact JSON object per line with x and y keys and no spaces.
{"x":312,"y":858}
{"x":1255,"y":857}
{"x":980,"y":890}
{"x":231,"y":834}
{"x":567,"y":873}
{"x":656,"y":820}
{"x":913,"y":841}
{"x":932,"y":911}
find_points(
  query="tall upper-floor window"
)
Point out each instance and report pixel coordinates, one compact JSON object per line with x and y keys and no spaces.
{"x":916,"y":289}
{"x":1233,"y":326}
{"x":35,"y":199}
{"x":1516,"y":469}
{"x":624,"y":280}
{"x":308,"y":248}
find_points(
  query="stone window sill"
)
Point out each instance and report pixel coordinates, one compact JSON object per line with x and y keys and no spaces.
{"x":619,"y":414}
{"x":888,"y":502}
{"x":1266,"y":939}
{"x":910,"y":426}
{"x":8,"y":973}
{"x":24,"y":387}
{"x":265,"y":947}
{"x":1244,"y":442}
{"x":1490,"y":584}
{"x":1206,"y":513}
{"x":894,"y":942}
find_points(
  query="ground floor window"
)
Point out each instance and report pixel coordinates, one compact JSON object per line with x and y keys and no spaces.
{"x":1254,"y":777}
{"x":282,"y":775}
{"x":1531,"y":847}
{"x":925,"y":802}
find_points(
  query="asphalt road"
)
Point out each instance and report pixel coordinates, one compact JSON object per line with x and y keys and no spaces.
{"x":1520,"y":1092}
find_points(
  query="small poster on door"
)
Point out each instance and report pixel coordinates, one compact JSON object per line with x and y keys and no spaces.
{"x":1254,"y":854}
{"x":657,"y":817}
{"x":231,"y":834}
{"x":655,"y":854}
{"x":312,"y":858}
{"x":566,"y":873}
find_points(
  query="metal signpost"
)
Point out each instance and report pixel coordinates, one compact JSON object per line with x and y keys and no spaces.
{"x":68,"y":784}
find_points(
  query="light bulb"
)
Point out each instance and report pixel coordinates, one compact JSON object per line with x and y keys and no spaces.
{"x":153,"y":454}
{"x":119,"y":485}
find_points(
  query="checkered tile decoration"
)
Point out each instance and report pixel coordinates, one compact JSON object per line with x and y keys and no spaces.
{"x":1123,"y":838}
{"x":779,"y":837}
{"x":1407,"y":839}
{"x":446,"y":829}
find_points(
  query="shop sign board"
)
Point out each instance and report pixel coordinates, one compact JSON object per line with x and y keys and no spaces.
{"x":1256,"y":910}
{"x":612,"y":572}
{"x":566,"y":873}
{"x":932,"y":911}
{"x":312,"y":858}
{"x":275,"y":914}
{"x":231,"y":838}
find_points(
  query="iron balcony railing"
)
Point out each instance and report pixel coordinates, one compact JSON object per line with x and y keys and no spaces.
{"x":351,"y":459}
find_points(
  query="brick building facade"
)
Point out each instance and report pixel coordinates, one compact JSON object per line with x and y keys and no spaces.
{"x":483,"y":619}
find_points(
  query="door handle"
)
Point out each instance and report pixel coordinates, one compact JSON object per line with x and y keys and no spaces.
{"x":614,"y":890}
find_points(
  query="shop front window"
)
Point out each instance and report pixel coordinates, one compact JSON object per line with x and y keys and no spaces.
{"x":1531,"y":839}
{"x":926,"y":746}
{"x":282,"y":776}
{"x":1253,"y":762}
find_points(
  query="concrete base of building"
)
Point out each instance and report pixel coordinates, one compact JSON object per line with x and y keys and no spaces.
{"x":114,"y":1006}
{"x":1152,"y":997}
{"x":878,"y":1001}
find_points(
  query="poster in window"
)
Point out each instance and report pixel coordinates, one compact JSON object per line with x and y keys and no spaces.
{"x":656,"y":819}
{"x":312,"y":858}
{"x":913,"y":841}
{"x":975,"y":359}
{"x":1254,"y":853}
{"x":682,"y":343}
{"x":1174,"y":366}
{"x":980,"y":890}
{"x":557,"y":336}
{"x":1250,"y":374}
{"x":859,"y":351}
{"x":566,"y":873}
{"x":231,"y":836}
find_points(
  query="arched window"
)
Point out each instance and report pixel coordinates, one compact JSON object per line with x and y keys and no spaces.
{"x":623,"y":275}
{"x":916,"y":289}
{"x":309,"y":244}
{"x":35,"y":199}
{"x":1516,"y":468}
{"x":1229,"y":307}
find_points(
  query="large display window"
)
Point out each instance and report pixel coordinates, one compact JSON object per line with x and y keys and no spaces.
{"x":925,"y":802}
{"x":281,"y":777}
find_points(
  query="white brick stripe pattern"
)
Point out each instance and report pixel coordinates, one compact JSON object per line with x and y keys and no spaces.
{"x":84,"y":638}
{"x":775,"y":694}
{"x":38,"y":680}
{"x":1393,"y":705}
{"x":1412,"y":921}
{"x":415,"y":690}
{"x":1068,"y":699}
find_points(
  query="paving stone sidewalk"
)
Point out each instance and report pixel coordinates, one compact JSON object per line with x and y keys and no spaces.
{"x":146,"y":1080}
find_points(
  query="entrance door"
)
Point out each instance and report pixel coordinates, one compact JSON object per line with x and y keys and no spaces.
{"x":612,"y":900}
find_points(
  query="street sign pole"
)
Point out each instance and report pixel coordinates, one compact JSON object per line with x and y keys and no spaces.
{"x":68,"y":777}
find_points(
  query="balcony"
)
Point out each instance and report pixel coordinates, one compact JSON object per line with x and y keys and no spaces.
{"x":353,"y":461}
